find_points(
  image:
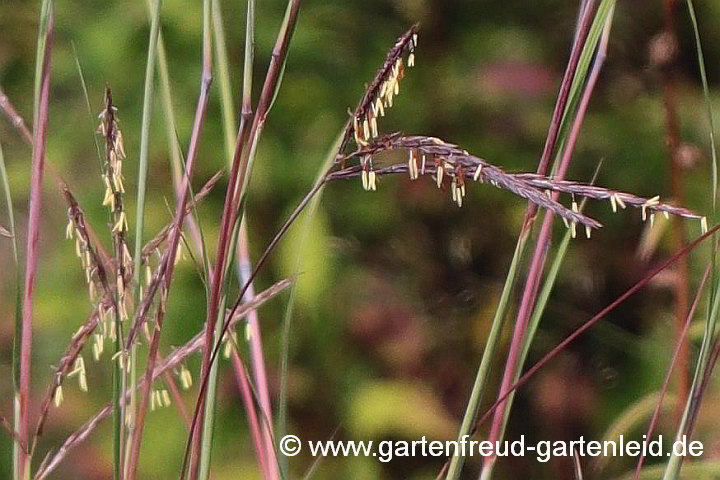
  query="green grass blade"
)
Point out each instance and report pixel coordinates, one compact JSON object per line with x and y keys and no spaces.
{"x":456,"y":464}
{"x":284,"y":27}
{"x":606,"y":8}
{"x":18,"y":304}
{"x":534,"y":323}
{"x":243,"y":264}
{"x":249,"y":56}
{"x":540,"y":305}
{"x":672,"y":470}
{"x":209,"y":421}
{"x":706,"y":93}
{"x":177,"y":160}
{"x":91,"y":114}
{"x":576,"y":90}
{"x":209,"y":424}
{"x":226,"y":98}
{"x":169,"y":115}
{"x":287,"y":320}
{"x":145,"y":137}
{"x":119,"y":463}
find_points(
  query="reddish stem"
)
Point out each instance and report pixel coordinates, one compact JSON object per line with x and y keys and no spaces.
{"x":561,"y":103}
{"x":170,"y":255}
{"x":249,"y":402}
{"x":38,"y":168}
{"x":235,"y":189}
{"x":532,"y":284}
{"x":256,"y":356}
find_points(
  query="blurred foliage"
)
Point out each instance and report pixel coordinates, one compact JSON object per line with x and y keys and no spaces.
{"x":398,"y":287}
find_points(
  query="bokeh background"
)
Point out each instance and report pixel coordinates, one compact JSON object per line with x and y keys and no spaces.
{"x":398,"y":287}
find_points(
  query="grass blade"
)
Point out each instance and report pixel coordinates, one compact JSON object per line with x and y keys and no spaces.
{"x":168,"y":261}
{"x":597,"y":317}
{"x":287,"y":320}
{"x":604,"y":19}
{"x":574,"y":78}
{"x":119,"y":462}
{"x":145,"y":135}
{"x":706,"y":93}
{"x":239,"y":177}
{"x":228,"y":109}
{"x":457,"y":461}
{"x":704,"y":360}
{"x":16,"y":361}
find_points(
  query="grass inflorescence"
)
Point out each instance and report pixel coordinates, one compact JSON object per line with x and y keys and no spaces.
{"x":130,"y":294}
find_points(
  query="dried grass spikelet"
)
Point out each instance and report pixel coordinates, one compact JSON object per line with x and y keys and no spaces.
{"x":450,"y":161}
{"x":100,"y":325}
{"x":174,"y":359}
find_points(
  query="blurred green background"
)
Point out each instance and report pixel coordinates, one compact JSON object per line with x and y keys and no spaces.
{"x":398,"y":287}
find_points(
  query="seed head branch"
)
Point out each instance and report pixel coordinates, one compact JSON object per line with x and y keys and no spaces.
{"x":442,"y":160}
{"x":173,"y":360}
{"x":61,"y":372}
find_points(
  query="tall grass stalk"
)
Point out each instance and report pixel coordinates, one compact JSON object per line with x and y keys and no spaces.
{"x":596,"y":318}
{"x":243,"y":264}
{"x":143,"y":165}
{"x":525,"y":317}
{"x":239,"y":177}
{"x":177,"y":162}
{"x":145,"y":136}
{"x":559,"y":113}
{"x":244,"y":267}
{"x":710,"y":338}
{"x":24,"y":352}
{"x":566,"y":97}
{"x":708,"y":102}
{"x":223,"y":75}
{"x":243,"y":382}
{"x":168,"y":261}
